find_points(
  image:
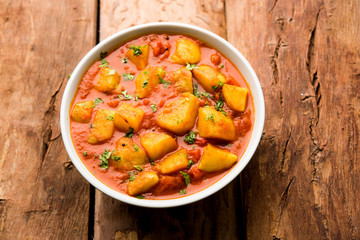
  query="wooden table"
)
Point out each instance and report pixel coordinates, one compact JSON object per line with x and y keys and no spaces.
{"x":302,"y":183}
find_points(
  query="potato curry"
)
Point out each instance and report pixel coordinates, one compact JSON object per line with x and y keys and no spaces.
{"x":162,"y":116}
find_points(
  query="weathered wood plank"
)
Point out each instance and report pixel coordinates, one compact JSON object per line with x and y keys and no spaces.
{"x":41,"y":195}
{"x":304,"y":179}
{"x":217,"y":217}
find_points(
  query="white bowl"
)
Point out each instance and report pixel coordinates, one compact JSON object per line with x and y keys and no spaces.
{"x":120,"y":38}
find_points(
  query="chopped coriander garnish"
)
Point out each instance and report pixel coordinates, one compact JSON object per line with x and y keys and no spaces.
{"x":199,"y":94}
{"x":125,"y":96}
{"x":136,"y":97}
{"x":146,"y":73}
{"x":210,"y":116}
{"x":221,"y":66}
{"x":219,"y":105}
{"x":104,"y":63}
{"x":190,"y":66}
{"x":138,"y":167}
{"x":69,"y":76}
{"x":166,"y":83}
{"x":128,"y":76}
{"x":95,"y":155}
{"x":132,"y":176}
{"x":104,"y":159}
{"x":193,"y":147}
{"x":136,"y":147}
{"x":91,"y":125}
{"x":190,"y":138}
{"x":116,"y":158}
{"x":219,"y":85}
{"x":129,"y":133}
{"x":182,"y":191}
{"x":152,"y":162}
{"x":96,"y":102}
{"x":103,"y":55}
{"x":153,"y":107}
{"x":125,"y":60}
{"x":145,"y":83}
{"x":111,"y":72}
{"x":137,"y":50}
{"x":186,"y":177}
{"x":85,"y":153}
{"x":110,"y":118}
{"x":229,"y":145}
{"x":190,"y":162}
{"x":140,"y":197}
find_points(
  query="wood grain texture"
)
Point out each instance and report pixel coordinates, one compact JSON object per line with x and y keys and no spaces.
{"x":41,"y":195}
{"x":217,"y":217}
{"x":303,"y":182}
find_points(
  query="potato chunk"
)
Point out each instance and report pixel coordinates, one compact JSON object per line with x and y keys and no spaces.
{"x":216,"y":159}
{"x":179,"y":115}
{"x":147,"y":80}
{"x":183,"y":80}
{"x":108,"y":81}
{"x":127,"y":154}
{"x":82,"y":111}
{"x":158,"y":145}
{"x":214,"y":124}
{"x":139,"y":55}
{"x":103,"y":126}
{"x":174,"y":162}
{"x":128,"y":116}
{"x":208,"y":77}
{"x":187,"y":51}
{"x":143,"y":182}
{"x":235,"y":97}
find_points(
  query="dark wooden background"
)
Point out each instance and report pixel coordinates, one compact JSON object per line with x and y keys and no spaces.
{"x":302,"y":183}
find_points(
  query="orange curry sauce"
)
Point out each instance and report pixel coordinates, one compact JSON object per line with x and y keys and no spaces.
{"x":117,"y":179}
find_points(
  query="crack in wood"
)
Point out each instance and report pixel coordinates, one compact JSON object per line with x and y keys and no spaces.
{"x":273,"y":61}
{"x":283,"y":201}
{"x":309,"y":65}
{"x":315,"y":153}
{"x":273,"y":6}
{"x":284,"y":152}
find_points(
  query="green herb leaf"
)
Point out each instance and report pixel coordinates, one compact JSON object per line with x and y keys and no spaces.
{"x":152,"y":162}
{"x":137,"y":50}
{"x":138,"y":167}
{"x":136,"y":97}
{"x":111,"y":72}
{"x":190,"y":163}
{"x":104,"y":159}
{"x":85,"y":153}
{"x":125,"y":60}
{"x":125,"y":96}
{"x":103,"y":55}
{"x":221,"y":66}
{"x":104,"y":63}
{"x":132,"y":176}
{"x":182,"y":191}
{"x":190,"y":138}
{"x":129,"y":133}
{"x":110,"y":118}
{"x":219,"y":105}
{"x":166,"y":83}
{"x":219,"y":85}
{"x":128,"y":76}
{"x":201,"y":95}
{"x":96,"y":102}
{"x":69,"y":76}
{"x":116,"y":158}
{"x":136,"y":147}
{"x":145,"y":83}
{"x":146,"y":73}
{"x":153,"y":107}
{"x":210,"y":116}
{"x":91,"y":125}
{"x":186,"y":177}
{"x":140,"y":197}
{"x":190,"y":66}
